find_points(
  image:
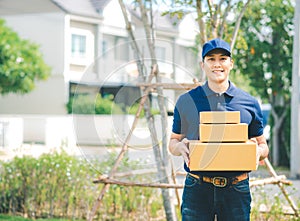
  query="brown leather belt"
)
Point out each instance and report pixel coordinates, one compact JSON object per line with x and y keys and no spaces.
{"x":221,"y":181}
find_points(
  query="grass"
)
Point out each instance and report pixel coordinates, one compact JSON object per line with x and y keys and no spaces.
{"x":19,"y":218}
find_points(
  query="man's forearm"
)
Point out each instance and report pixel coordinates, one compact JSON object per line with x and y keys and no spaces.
{"x":264,"y":151}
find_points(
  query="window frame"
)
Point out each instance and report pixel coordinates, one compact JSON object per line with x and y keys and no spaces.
{"x":87,"y":56}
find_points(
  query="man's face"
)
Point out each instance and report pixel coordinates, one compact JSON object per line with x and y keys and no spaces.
{"x":217,"y":66}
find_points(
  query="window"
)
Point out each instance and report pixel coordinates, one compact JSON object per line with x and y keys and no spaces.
{"x":78,"y":46}
{"x":82,"y":46}
{"x":104,"y":48}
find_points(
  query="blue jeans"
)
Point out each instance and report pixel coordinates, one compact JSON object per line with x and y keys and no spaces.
{"x":201,"y":201}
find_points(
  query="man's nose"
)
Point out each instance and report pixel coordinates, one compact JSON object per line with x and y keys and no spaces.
{"x":217,"y":63}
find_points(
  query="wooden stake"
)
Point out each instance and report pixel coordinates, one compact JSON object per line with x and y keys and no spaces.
{"x":260,"y":182}
{"x":283,"y":190}
{"x":270,"y":180}
{"x":122,"y":152}
{"x":107,"y":180}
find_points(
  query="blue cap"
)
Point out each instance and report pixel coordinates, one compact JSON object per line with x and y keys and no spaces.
{"x":216,"y":43}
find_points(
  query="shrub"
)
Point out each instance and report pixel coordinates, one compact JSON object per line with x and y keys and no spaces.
{"x":107,"y":106}
{"x":59,"y":185}
{"x":134,"y":108}
{"x":86,"y":104}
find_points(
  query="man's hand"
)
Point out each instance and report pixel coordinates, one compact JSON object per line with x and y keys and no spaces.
{"x":262,"y":149}
{"x":179,"y":146}
{"x":183,"y":148}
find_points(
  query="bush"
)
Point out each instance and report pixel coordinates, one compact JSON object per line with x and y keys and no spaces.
{"x":59,"y":185}
{"x":134,"y":108}
{"x":86,"y":104}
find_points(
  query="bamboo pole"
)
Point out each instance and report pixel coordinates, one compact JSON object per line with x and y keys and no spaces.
{"x":283,"y":190}
{"x":270,"y":180}
{"x":260,"y":182}
{"x":174,"y":180}
{"x":123,"y":150}
{"x":279,"y":180}
{"x":107,"y":180}
{"x":161,"y":154}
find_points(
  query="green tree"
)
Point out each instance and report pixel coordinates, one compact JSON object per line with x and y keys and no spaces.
{"x":21,"y":63}
{"x":266,"y":58}
{"x":260,"y":33}
{"x":215,"y":19}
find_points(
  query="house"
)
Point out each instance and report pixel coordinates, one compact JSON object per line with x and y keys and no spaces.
{"x":86,"y":44}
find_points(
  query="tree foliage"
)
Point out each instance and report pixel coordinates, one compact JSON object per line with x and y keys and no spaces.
{"x":21,"y":63}
{"x":266,"y":58}
{"x":268,"y":52}
{"x":215,"y":19}
{"x":261,"y":36}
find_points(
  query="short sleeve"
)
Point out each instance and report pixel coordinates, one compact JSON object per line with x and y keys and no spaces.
{"x":256,"y":127}
{"x":176,"y":128}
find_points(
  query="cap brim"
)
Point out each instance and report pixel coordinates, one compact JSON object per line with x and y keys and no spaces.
{"x":217,"y":51}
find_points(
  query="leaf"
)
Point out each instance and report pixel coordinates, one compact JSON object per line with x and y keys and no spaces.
{"x":21,"y":63}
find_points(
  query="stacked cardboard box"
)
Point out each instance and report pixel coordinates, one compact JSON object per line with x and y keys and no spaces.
{"x":223,"y":144}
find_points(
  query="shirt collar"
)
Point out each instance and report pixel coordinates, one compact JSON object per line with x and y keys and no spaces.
{"x":230,"y":91}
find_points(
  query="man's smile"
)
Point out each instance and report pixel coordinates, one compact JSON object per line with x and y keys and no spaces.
{"x":218,"y":71}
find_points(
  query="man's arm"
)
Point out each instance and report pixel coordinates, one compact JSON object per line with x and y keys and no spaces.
{"x":262,"y":147}
{"x":178,"y":146}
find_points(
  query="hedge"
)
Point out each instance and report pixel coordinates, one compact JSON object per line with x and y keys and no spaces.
{"x":59,"y":185}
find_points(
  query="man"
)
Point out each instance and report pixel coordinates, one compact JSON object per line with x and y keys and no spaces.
{"x":201,"y":199}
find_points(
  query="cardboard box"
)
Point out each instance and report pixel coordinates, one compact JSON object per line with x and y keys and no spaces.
{"x":222,"y":156}
{"x":220,"y":117}
{"x":223,"y":132}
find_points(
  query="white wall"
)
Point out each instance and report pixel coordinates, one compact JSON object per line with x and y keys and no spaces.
{"x":68,"y":130}
{"x":46,"y":98}
{"x":52,"y":130}
{"x":113,"y":129}
{"x":11,"y":132}
{"x":46,"y":30}
{"x":49,"y":97}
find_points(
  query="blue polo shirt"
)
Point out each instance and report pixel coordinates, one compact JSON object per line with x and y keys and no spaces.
{"x":202,"y":98}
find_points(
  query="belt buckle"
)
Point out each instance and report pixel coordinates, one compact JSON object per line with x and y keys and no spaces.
{"x":219,"y":181}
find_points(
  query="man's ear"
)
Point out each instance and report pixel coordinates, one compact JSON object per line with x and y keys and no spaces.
{"x":232,"y":63}
{"x":201,"y":64}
